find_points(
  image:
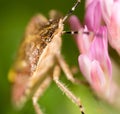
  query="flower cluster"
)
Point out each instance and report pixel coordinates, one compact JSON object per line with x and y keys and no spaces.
{"x":102,"y":25}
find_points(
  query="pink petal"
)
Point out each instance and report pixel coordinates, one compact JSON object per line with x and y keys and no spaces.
{"x":85,"y":66}
{"x":98,"y":80}
{"x":82,"y":40}
{"x":74,"y":23}
{"x":99,"y":46}
{"x":99,"y":50}
{"x":88,"y":2}
{"x":114,"y":27}
{"x":106,"y":6}
{"x":93,"y":15}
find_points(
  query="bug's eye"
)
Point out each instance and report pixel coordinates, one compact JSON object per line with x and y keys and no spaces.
{"x":48,"y":39}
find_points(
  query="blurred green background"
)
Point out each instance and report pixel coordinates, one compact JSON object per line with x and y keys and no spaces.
{"x":14,"y":16}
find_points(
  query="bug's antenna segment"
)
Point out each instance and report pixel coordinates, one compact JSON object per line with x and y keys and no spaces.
{"x":76,"y":32}
{"x":71,"y":10}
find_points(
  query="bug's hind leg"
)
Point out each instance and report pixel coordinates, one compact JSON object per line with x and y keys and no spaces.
{"x":63,"y":88}
{"x":45,"y":84}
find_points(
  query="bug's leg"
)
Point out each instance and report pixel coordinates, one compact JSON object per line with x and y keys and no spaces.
{"x":30,"y":85}
{"x":45,"y":84}
{"x":33,"y":80}
{"x":69,"y":94}
{"x":67,"y":71}
{"x":65,"y":68}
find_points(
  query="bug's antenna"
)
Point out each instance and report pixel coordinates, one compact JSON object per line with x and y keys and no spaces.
{"x":76,"y":32}
{"x":71,"y":10}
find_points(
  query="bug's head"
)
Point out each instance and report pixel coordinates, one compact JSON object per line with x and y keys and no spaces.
{"x":53,"y":27}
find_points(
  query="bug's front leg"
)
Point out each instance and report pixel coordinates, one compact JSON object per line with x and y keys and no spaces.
{"x":69,"y":94}
{"x":45,"y":84}
{"x":65,"y":68}
{"x":68,"y":72}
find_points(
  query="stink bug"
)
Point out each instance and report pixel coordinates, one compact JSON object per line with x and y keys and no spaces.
{"x":39,"y":61}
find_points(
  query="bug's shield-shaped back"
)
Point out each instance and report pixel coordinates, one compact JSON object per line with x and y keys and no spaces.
{"x":30,"y":50}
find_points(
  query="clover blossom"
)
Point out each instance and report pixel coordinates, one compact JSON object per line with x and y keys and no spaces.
{"x":94,"y":61}
{"x":101,"y":23}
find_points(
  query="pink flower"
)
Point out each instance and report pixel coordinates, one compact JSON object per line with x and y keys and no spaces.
{"x":111,"y":15}
{"x":94,"y":60}
{"x":92,"y":42}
